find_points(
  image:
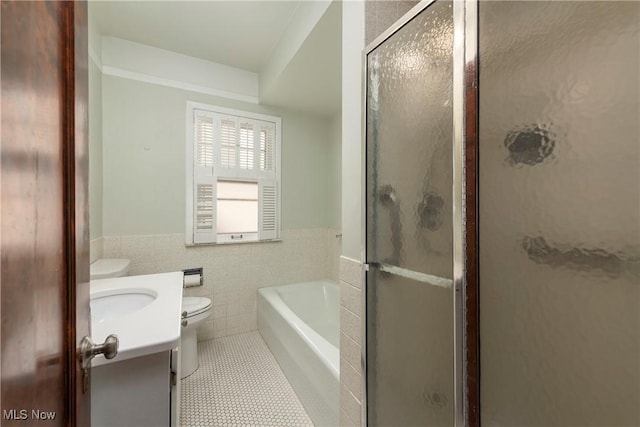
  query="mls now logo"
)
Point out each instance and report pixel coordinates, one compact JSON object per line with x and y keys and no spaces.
{"x":37,"y":414}
{"x":15,"y":414}
{"x":23,"y":414}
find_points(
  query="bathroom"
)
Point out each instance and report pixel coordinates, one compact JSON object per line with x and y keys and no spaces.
{"x":499,"y":247}
{"x":139,"y":172}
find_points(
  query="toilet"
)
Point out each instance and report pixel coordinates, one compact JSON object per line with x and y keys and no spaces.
{"x":194,"y":311}
{"x":109,"y":267}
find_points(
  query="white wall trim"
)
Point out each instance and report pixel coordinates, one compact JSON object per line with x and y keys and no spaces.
{"x":146,"y":78}
{"x":353,"y":15}
{"x":193,"y":105}
{"x":137,"y":61}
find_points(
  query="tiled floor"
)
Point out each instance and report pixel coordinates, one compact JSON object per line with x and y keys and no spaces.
{"x":239,"y":383}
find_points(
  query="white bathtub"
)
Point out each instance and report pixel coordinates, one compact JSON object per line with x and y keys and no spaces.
{"x":301,"y":325}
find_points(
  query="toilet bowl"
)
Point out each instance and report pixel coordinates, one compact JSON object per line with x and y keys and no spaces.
{"x":194,"y":311}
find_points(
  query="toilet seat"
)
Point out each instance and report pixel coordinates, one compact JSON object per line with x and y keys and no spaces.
{"x":195,"y":305}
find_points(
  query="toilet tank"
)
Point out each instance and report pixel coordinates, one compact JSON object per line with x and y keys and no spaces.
{"x":106,"y":268}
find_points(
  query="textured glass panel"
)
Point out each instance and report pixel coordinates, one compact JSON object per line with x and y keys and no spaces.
{"x":559,"y":213}
{"x":410,"y":352}
{"x":409,"y":223}
{"x":409,"y":145}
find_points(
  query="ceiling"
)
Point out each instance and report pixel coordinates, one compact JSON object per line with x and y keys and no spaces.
{"x":241,"y":34}
{"x":312,"y":81}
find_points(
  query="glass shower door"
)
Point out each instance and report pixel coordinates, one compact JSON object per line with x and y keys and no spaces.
{"x":559,"y":209}
{"x":409,"y":250}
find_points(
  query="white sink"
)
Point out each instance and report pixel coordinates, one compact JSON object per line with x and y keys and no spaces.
{"x":143,"y":311}
{"x":108,"y":305}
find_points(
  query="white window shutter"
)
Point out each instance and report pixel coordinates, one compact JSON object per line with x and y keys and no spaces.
{"x":268,"y":226}
{"x":203,"y":142}
{"x":267,"y":147}
{"x":204,"y":210}
{"x":246,"y":144}
{"x":231,"y":145}
{"x":228,"y":148}
{"x":204,"y":188}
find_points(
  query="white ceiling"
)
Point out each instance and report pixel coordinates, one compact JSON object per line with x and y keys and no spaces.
{"x":241,"y":34}
{"x":313,"y":78}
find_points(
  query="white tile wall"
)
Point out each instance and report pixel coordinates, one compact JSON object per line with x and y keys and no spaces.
{"x":95,"y":249}
{"x":350,"y":338}
{"x":234,"y":272}
{"x":334,"y":248}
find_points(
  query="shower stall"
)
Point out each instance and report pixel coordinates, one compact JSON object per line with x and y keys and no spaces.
{"x":502,"y":244}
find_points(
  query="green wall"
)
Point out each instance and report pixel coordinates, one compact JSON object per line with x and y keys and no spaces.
{"x":334,"y":174}
{"x":143,"y":178}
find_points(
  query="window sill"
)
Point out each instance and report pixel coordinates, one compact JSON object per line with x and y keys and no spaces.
{"x":246,"y":242}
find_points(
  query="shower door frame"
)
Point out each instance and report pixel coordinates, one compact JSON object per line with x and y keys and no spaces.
{"x":465,"y":208}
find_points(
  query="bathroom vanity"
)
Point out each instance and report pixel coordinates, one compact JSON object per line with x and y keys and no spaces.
{"x":136,"y":392}
{"x":140,"y":386}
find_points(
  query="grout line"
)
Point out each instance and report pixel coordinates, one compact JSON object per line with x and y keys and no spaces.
{"x":357,"y":315}
{"x":239,"y":382}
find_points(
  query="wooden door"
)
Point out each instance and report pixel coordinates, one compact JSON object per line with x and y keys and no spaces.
{"x":44,"y":217}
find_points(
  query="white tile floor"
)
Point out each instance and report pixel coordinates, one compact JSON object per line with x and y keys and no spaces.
{"x":239,"y":383}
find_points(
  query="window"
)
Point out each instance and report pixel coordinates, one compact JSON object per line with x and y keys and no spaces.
{"x":233,"y":175}
{"x":237,"y":210}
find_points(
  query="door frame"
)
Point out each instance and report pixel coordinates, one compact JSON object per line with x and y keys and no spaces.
{"x":465,"y":207}
{"x":49,"y":377}
{"x":76,"y":170}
